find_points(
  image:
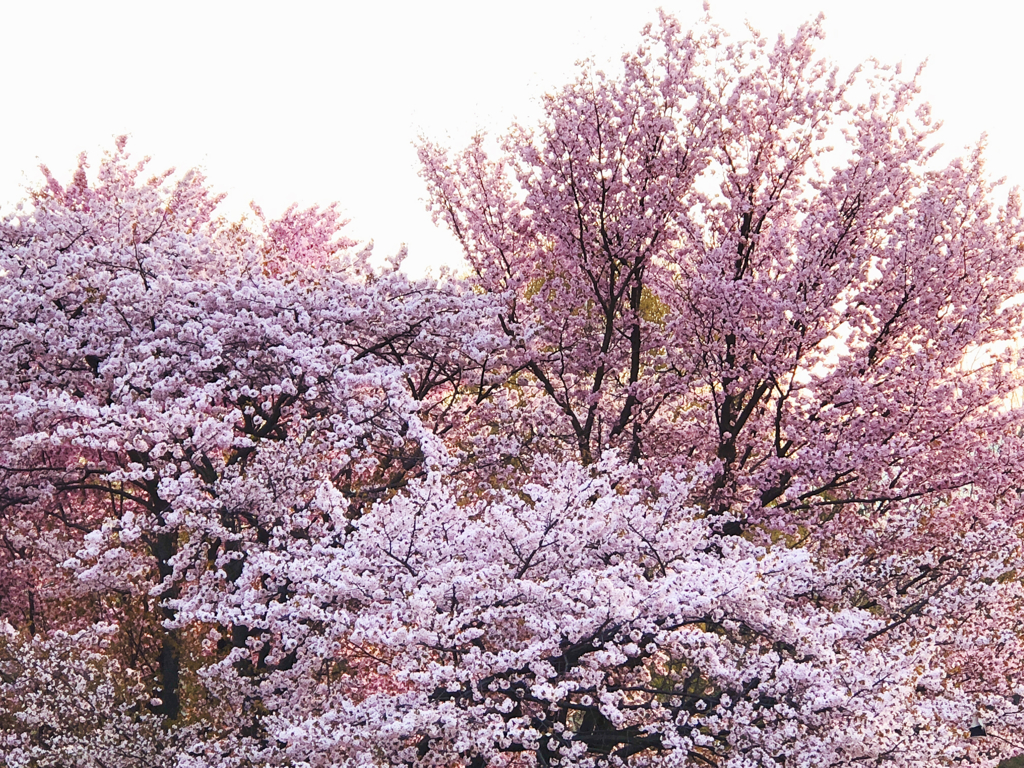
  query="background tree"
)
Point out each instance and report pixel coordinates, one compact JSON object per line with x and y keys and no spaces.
{"x":697,"y":278}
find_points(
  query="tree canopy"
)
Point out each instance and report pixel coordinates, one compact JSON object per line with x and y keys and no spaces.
{"x":711,"y":457}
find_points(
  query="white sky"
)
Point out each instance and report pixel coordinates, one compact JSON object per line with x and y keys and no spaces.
{"x":314,"y":102}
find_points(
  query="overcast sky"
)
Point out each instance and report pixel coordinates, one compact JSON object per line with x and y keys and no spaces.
{"x":314,"y":102}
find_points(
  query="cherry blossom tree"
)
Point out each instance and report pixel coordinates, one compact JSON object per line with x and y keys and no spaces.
{"x":710,"y":460}
{"x":696,"y":278}
{"x":175,"y":383}
{"x":572,"y":622}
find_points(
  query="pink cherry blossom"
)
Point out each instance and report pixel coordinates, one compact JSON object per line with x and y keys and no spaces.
{"x":711,"y":459}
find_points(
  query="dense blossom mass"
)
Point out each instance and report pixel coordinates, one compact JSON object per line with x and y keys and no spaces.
{"x":710,"y":459}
